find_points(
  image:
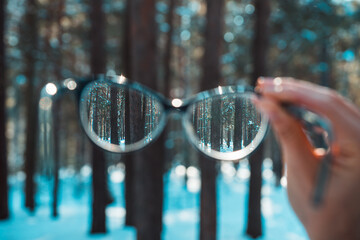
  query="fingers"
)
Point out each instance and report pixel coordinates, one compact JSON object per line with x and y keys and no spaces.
{"x":300,"y":93}
{"x":320,"y":100}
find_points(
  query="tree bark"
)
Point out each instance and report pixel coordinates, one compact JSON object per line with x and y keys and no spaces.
{"x":325,"y":59}
{"x":128,"y":158}
{"x":275,"y":155}
{"x":57,"y":11}
{"x":100,"y":192}
{"x":148,"y":163}
{"x":30,"y":38}
{"x":168,"y":48}
{"x":4,"y":200}
{"x":57,"y":128}
{"x":211,"y":78}
{"x":260,"y":46}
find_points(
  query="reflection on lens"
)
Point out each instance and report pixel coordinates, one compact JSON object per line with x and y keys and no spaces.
{"x":119,"y":118}
{"x":226,"y":127}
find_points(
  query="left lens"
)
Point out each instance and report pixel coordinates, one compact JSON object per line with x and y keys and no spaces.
{"x":120,"y":118}
{"x":225,"y":127}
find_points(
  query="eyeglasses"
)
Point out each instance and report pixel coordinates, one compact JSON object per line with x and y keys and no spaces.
{"x":223,"y":123}
{"x":122,"y":116}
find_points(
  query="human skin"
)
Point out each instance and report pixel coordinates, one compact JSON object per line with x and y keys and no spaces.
{"x":338,"y":217}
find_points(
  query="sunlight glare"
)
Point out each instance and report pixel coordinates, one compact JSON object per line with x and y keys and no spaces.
{"x":220,"y":90}
{"x":243,"y":173}
{"x":193,"y":185}
{"x":283,"y":182}
{"x":117,"y":176}
{"x":115,"y":212}
{"x":180,"y":170}
{"x":121,"y":79}
{"x":70,"y":84}
{"x":192,"y":172}
{"x":228,"y":169}
{"x":51,"y":89}
{"x":86,"y":171}
{"x":176,"y":102}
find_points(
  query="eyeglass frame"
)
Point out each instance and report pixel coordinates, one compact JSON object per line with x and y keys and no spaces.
{"x":182,"y":109}
{"x":295,"y":111}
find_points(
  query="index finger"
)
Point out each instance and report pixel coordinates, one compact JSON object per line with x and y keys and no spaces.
{"x":321,"y":100}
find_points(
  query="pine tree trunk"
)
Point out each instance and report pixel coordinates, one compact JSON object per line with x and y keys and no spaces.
{"x":57,"y":128}
{"x":100,"y":192}
{"x":325,"y":76}
{"x":4,"y":201}
{"x":148,"y":163}
{"x":168,"y":48}
{"x":30,"y":47}
{"x":275,"y":156}
{"x":211,"y":78}
{"x":128,"y":158}
{"x":57,"y":11}
{"x":260,"y":46}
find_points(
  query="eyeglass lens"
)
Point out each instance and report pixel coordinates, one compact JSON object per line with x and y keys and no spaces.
{"x":119,"y":119}
{"x":122,"y":119}
{"x":226,"y":124}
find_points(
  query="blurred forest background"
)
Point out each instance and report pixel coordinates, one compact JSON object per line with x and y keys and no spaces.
{"x":177,"y":48}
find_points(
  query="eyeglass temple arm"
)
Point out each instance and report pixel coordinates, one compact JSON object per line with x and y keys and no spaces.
{"x":324,"y":169}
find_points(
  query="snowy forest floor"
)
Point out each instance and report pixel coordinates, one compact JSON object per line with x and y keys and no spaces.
{"x":181,"y":208}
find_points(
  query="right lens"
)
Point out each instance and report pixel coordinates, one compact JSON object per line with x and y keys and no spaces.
{"x":227,"y":126}
{"x":120,"y":118}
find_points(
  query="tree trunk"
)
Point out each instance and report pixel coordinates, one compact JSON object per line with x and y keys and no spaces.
{"x":128,"y":158}
{"x":57,"y":128}
{"x":168,"y":48}
{"x":100,"y":192}
{"x":275,"y":156}
{"x":325,"y":60}
{"x":4,"y":200}
{"x":148,"y":163}
{"x":260,"y":46}
{"x":166,"y":82}
{"x":57,"y":11}
{"x":210,"y":79}
{"x":30,"y":38}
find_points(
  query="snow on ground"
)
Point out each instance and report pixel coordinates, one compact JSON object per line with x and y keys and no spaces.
{"x":181,"y":209}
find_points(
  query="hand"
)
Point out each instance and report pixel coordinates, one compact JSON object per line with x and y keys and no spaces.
{"x":339,"y":215}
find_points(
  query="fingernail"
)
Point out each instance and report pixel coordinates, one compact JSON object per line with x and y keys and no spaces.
{"x":278,"y":81}
{"x":274,"y":87}
{"x":261,"y":80}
